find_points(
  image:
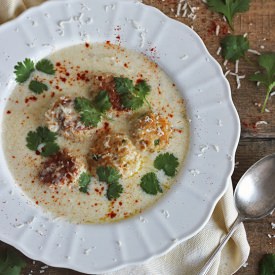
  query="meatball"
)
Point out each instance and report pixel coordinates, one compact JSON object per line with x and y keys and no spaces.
{"x":61,"y":169}
{"x":63,"y":118}
{"x":151,"y":132}
{"x":116,"y":150}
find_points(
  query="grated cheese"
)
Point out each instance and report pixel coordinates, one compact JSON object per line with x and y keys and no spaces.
{"x":261,"y":122}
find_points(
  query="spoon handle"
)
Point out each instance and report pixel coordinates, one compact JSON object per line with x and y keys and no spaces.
{"x":211,"y":260}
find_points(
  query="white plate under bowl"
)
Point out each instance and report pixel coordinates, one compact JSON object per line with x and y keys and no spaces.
{"x":214,"y":123}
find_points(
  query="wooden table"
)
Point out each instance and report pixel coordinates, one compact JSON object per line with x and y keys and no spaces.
{"x":255,"y":142}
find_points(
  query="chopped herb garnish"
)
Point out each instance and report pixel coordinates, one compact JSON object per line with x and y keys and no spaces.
{"x":84,"y":181}
{"x":102,"y":102}
{"x":168,"y":163}
{"x":156,"y":142}
{"x":234,"y":47}
{"x":45,"y":66}
{"x":45,"y":138}
{"x":267,"y":77}
{"x":124,"y":85}
{"x":96,"y":157}
{"x":131,"y":97}
{"x":267,"y":265}
{"x":37,"y":87}
{"x":23,"y":70}
{"x":114,"y":190}
{"x":108,"y":174}
{"x":228,"y":8}
{"x":10,"y":263}
{"x":88,"y":114}
{"x":150,"y":184}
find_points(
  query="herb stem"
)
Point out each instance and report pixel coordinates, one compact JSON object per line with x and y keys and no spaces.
{"x":266,"y":99}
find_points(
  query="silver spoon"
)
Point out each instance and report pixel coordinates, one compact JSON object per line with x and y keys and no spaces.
{"x":254,"y":199}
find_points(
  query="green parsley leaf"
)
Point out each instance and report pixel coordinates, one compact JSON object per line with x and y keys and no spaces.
{"x":84,"y":181}
{"x":228,"y":8}
{"x":142,"y":89}
{"x":123,"y":85}
{"x":131,"y":97}
{"x":108,"y":174}
{"x":267,"y":265}
{"x":114,"y":191}
{"x":102,"y":102}
{"x":11,"y":263}
{"x":150,"y":184}
{"x":37,"y":87}
{"x":234,"y":47}
{"x":88,"y":114}
{"x":45,"y":66}
{"x":130,"y":101}
{"x":23,"y":70}
{"x":44,"y":136}
{"x":50,"y":148}
{"x":267,"y":77}
{"x":168,"y":163}
{"x":156,"y":142}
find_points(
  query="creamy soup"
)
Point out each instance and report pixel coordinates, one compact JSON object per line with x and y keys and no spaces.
{"x":126,"y":140}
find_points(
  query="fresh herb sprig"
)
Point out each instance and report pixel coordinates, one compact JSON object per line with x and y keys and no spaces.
{"x":111,"y":176}
{"x":168,"y":163}
{"x":132,"y":96}
{"x":11,"y":263}
{"x":267,"y":265}
{"x":24,"y":69}
{"x":89,"y":115}
{"x":84,"y":182}
{"x":150,"y":184}
{"x":229,"y":8}
{"x":43,"y":141}
{"x":267,"y":76}
{"x":45,"y":66}
{"x":37,"y":87}
{"x":234,"y":47}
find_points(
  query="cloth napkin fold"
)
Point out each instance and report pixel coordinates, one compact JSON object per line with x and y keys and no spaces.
{"x":188,"y":257}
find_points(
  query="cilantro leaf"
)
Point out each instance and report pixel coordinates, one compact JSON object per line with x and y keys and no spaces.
{"x":37,"y":87}
{"x":234,"y":47}
{"x":45,"y":66}
{"x":267,"y":265}
{"x":84,"y":181}
{"x":114,"y":191}
{"x":88,"y":114}
{"x":42,"y":136}
{"x":23,"y":70}
{"x":150,"y":184}
{"x":228,"y":8}
{"x":267,"y":77}
{"x":102,"y":102}
{"x":50,"y":148}
{"x":130,"y":101}
{"x":168,"y":163}
{"x":142,"y":89}
{"x":131,"y":97}
{"x":108,"y":174}
{"x":11,"y":263}
{"x":156,"y":142}
{"x":123,"y":85}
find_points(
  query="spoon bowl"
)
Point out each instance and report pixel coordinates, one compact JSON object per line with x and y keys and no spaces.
{"x":254,"y":199}
{"x":255,"y":193}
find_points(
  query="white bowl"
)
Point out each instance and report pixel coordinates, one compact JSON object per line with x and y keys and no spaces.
{"x":214,"y":125}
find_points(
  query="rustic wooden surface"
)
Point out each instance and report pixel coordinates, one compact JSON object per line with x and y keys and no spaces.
{"x":255,"y":142}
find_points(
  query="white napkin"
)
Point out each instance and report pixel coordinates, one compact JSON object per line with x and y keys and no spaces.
{"x":188,"y":257}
